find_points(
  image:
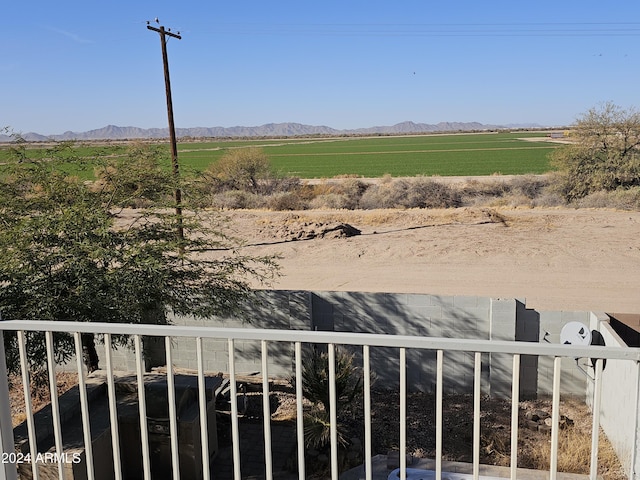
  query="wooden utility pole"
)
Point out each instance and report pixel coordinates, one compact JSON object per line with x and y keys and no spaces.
{"x":172,"y":129}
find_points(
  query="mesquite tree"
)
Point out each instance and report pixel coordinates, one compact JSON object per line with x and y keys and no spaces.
{"x":603,"y":154}
{"x":69,"y":250}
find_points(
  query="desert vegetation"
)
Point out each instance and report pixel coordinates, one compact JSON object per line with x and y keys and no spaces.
{"x":598,"y":168}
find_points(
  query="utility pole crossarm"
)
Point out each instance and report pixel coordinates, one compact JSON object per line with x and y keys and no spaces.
{"x":161,"y":31}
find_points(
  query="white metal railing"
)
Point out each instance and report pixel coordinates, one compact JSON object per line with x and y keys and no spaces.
{"x":267,"y":337}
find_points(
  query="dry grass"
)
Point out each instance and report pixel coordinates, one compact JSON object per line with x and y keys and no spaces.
{"x":39,"y":394}
{"x":533,"y":449}
{"x":574,"y":445}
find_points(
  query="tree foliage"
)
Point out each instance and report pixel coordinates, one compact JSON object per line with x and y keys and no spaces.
{"x":70,"y":251}
{"x":241,"y":169}
{"x":605,"y":153}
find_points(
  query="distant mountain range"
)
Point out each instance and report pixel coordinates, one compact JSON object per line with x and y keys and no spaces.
{"x":112,"y":132}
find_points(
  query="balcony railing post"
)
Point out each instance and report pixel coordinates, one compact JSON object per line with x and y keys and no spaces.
{"x":333,"y":412}
{"x":8,"y":470}
{"x":403,"y":413}
{"x":299,"y":412}
{"x":202,"y":401}
{"x":515,"y":401}
{"x":266,"y":408}
{"x":595,"y":431}
{"x":635,"y":456}
{"x":55,"y":404}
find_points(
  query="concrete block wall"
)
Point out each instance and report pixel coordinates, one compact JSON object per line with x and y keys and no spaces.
{"x":619,"y":410}
{"x":408,"y":314}
{"x":285,"y":310}
{"x":390,"y":313}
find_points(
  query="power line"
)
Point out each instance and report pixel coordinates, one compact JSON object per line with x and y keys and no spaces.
{"x":541,"y":29}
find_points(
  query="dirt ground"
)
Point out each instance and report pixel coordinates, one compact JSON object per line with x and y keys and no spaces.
{"x":554,"y":258}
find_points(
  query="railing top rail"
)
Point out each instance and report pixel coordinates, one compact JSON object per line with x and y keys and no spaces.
{"x":340,"y":338}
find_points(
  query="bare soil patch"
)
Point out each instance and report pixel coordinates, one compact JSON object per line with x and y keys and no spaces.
{"x":554,"y":258}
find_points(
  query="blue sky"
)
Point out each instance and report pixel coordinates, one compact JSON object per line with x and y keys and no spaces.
{"x":81,"y":65}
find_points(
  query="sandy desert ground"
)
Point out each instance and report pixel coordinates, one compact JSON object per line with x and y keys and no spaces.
{"x":556,"y":259}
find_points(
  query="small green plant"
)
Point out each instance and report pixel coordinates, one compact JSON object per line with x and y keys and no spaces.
{"x":315,"y":388}
{"x":315,"y":379}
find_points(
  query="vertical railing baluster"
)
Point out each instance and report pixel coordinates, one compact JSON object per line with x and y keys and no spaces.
{"x":403,"y":413}
{"x":113,"y":409}
{"x":333,"y":412}
{"x":204,"y":422}
{"x":636,"y":441}
{"x":595,"y":428}
{"x":55,"y":405}
{"x":515,"y":401}
{"x":173,"y":416}
{"x":555,"y":418}
{"x":84,"y":407}
{"x":8,"y":470}
{"x":299,"y":411}
{"x":28,"y":407}
{"x":366,"y":366}
{"x":142,"y":408}
{"x":439,"y":387}
{"x":235,"y":428}
{"x":266,"y":411}
{"x":477,"y":392}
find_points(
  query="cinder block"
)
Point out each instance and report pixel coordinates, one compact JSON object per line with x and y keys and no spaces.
{"x":432,"y":313}
{"x":441,"y":300}
{"x":465,"y":301}
{"x":215,"y":367}
{"x":503,"y":305}
{"x":418,"y":300}
{"x":465,"y":317}
{"x":582,"y":317}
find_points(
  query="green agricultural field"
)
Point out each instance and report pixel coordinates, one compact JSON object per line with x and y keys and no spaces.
{"x":471,"y":154}
{"x":445,"y":155}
